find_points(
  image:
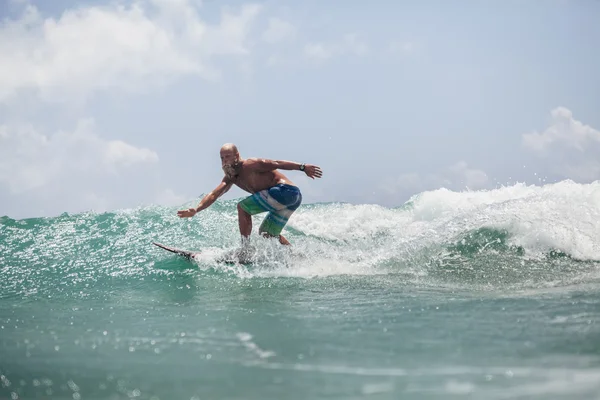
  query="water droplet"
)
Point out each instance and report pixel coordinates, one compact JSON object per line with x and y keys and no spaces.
{"x":73,"y":386}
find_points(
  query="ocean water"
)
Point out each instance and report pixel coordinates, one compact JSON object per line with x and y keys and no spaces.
{"x":480,"y":295}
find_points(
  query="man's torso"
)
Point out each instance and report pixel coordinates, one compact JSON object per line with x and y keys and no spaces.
{"x":254,"y":181}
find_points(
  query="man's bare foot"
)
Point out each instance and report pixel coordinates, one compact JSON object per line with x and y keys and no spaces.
{"x":281,"y":238}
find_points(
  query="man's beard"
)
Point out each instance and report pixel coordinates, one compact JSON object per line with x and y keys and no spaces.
{"x":230,"y":170}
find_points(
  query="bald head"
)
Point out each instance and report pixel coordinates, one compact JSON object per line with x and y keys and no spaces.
{"x":229,"y":147}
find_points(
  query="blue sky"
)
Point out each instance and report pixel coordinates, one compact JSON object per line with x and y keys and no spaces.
{"x":107,"y":105}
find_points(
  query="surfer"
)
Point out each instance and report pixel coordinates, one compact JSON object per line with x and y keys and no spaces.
{"x":271,"y":191}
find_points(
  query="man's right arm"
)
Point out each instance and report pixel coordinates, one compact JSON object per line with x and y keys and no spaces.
{"x":210,"y":198}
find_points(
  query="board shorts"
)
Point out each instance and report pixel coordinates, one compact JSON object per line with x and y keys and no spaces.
{"x":280,"y":202}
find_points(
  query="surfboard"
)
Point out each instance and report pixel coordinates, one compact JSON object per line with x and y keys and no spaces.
{"x":189,"y":255}
{"x":185,"y":253}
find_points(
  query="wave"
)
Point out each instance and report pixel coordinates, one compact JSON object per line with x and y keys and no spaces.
{"x":515,"y":235}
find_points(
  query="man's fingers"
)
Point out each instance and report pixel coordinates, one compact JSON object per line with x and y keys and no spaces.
{"x":313,"y":171}
{"x":317,"y":172}
{"x":184,"y":213}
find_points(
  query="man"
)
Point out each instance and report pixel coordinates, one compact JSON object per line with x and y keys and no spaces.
{"x":272,"y":191}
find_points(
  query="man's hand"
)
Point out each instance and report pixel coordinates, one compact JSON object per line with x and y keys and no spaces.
{"x":312,"y":171}
{"x":190,"y":212}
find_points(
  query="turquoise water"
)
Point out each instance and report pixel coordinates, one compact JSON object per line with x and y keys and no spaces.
{"x":483,"y":295}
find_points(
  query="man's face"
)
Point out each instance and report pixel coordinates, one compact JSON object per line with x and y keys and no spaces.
{"x":229,"y":161}
{"x":228,"y":157}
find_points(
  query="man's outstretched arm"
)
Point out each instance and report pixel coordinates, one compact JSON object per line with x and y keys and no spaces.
{"x":210,"y":198}
{"x":313,"y":171}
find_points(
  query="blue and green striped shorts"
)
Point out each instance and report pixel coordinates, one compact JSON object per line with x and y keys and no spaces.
{"x":280,"y":202}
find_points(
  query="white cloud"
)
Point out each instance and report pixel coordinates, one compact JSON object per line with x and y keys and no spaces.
{"x":350,"y":44}
{"x":461,"y":174}
{"x":318,"y":51}
{"x":119,"y":153}
{"x":31,"y":160}
{"x":129,"y":47}
{"x":571,"y":148}
{"x":279,"y":31}
{"x":564,"y":130}
{"x":42,"y":173}
{"x":168,"y":197}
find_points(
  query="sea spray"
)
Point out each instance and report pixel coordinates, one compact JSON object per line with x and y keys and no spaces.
{"x":504,"y":234}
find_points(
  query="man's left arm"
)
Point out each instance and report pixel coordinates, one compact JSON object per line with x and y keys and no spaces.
{"x":269,"y":165}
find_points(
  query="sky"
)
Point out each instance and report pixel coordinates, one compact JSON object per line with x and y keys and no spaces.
{"x":109,"y":105}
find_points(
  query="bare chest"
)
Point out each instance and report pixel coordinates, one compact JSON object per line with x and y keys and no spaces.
{"x":253,"y":182}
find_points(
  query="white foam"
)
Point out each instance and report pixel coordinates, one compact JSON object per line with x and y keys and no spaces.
{"x":346,"y":239}
{"x":564,"y":216}
{"x":246,"y":340}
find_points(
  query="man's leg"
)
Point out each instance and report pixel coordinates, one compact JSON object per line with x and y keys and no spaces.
{"x":280,"y":209}
{"x":245,"y":222}
{"x":248,"y":207}
{"x":273,"y":225}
